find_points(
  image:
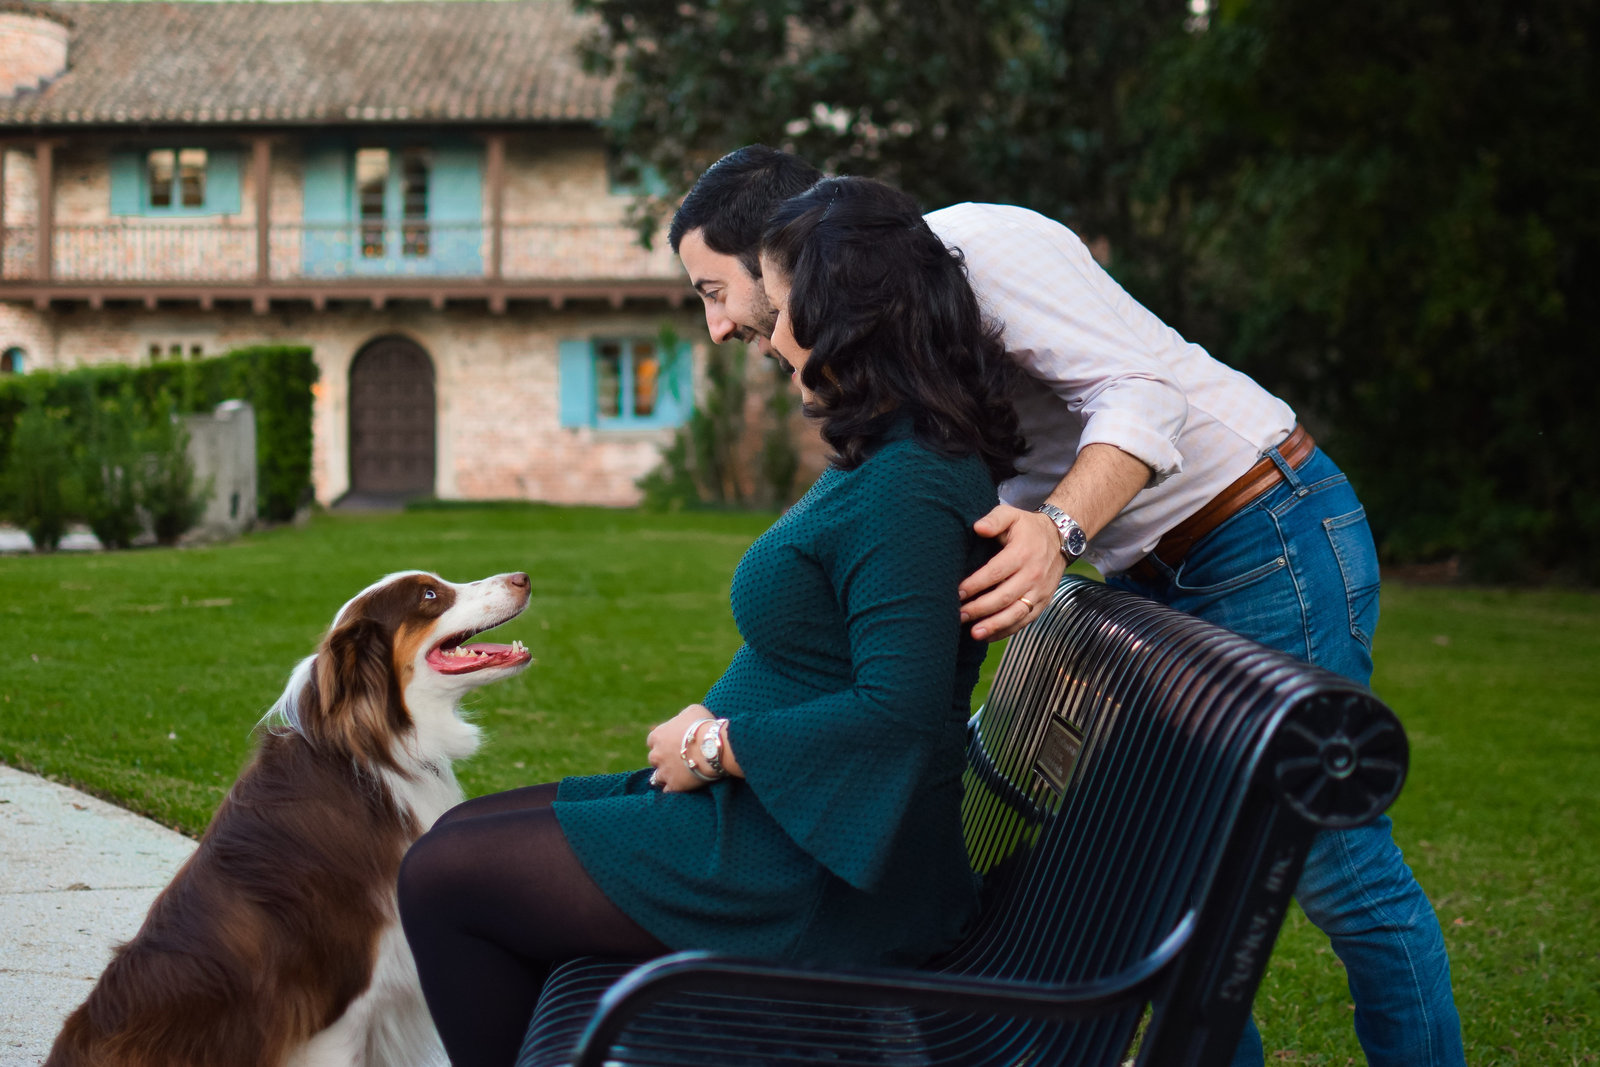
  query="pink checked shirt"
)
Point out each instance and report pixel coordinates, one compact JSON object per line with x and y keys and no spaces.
{"x":1105,"y":370}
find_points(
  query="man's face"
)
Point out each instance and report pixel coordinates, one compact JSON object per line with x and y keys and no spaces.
{"x":736,"y":305}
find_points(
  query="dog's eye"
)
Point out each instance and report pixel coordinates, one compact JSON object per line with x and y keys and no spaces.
{"x":429,"y":594}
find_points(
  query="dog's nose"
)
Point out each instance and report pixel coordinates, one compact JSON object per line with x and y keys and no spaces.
{"x":518,"y":580}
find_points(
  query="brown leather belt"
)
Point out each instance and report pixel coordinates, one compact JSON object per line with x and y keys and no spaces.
{"x":1176,"y":542}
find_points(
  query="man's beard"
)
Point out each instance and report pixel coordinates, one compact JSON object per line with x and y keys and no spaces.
{"x":766,"y":319}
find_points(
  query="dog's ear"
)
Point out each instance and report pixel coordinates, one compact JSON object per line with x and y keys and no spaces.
{"x":355,"y":706}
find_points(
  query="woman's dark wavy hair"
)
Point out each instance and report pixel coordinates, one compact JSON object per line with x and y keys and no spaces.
{"x":893,"y":327}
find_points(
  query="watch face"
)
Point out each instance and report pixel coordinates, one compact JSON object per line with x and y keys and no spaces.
{"x":709,"y":746}
{"x":1077,"y":541}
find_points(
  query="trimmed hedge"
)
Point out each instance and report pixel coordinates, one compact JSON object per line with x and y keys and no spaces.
{"x":276,"y":380}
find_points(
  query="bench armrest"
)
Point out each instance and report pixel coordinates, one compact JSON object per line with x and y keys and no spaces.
{"x":705,"y":972}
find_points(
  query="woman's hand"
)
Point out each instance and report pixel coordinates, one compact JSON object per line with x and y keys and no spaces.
{"x":666,"y":748}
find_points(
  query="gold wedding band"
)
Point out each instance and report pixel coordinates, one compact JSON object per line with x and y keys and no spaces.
{"x":1026,"y":601}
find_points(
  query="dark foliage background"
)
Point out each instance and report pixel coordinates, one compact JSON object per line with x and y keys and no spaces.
{"x":1384,"y":210}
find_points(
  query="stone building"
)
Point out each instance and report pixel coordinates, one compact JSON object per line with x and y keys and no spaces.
{"x":420,"y":191}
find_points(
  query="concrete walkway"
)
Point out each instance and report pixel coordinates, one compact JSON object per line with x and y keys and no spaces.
{"x":76,"y":877}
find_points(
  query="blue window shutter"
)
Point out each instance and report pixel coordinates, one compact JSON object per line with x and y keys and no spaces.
{"x":455,"y":203}
{"x":222,"y":183}
{"x":456,"y":185}
{"x":575,"y":375}
{"x":677,"y":397}
{"x":329,"y":239}
{"x":327,"y":169}
{"x":127,"y":183}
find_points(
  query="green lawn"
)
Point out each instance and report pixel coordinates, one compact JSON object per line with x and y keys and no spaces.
{"x":139,"y":675}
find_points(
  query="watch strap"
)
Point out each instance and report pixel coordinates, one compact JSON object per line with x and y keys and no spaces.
{"x":1073,"y":538}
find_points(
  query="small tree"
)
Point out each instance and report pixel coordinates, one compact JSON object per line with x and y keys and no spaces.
{"x":701,"y":465}
{"x":780,"y":459}
{"x":171,"y":496}
{"x":112,"y":470}
{"x":39,"y":490}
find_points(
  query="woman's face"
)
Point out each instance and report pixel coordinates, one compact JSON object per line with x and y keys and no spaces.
{"x":789,"y":355}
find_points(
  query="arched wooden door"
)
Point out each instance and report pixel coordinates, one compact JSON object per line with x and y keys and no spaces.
{"x":392,"y":419}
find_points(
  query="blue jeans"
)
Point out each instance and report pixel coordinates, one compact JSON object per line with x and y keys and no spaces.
{"x":1297,"y":571}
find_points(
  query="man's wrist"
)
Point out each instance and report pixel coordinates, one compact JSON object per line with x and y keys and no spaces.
{"x":1074,"y":540}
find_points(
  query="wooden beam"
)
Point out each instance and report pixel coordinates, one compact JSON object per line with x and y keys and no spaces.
{"x":261,"y":159}
{"x":497,"y":202}
{"x":44,"y":168}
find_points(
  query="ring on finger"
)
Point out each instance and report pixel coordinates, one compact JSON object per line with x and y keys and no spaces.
{"x":1026,"y":601}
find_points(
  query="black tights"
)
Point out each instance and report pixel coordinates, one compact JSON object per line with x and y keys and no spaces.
{"x":490,"y":899}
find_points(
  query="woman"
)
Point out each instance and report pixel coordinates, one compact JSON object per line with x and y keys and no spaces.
{"x":809,"y":807}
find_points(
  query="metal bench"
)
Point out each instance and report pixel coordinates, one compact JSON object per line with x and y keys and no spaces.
{"x":1141,"y":793}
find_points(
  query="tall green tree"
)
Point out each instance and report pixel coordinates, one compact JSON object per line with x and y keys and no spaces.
{"x":1389,"y":208}
{"x":1382,"y":209}
{"x":1017,"y":100}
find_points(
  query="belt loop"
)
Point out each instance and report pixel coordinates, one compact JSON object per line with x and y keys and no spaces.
{"x":1287,"y":471}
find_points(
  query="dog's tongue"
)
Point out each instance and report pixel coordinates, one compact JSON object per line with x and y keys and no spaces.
{"x":467,"y":658}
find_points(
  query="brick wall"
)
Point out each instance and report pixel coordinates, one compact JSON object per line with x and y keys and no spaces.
{"x":498,"y":433}
{"x":23,"y":327}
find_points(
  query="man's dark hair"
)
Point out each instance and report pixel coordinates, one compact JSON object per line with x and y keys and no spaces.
{"x":731,"y":201}
{"x":893,"y":327}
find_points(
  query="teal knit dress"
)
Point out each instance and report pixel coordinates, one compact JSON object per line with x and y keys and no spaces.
{"x":846,"y":708}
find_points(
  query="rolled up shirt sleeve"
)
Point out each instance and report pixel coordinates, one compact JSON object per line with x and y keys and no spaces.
{"x":1073,"y":330}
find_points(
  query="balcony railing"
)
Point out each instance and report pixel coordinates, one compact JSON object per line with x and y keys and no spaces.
{"x":221,"y":253}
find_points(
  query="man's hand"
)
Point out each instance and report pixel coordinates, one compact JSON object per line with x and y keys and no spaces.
{"x":666,"y":750}
{"x":1029,"y":565}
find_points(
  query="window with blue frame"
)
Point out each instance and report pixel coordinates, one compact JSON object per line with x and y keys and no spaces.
{"x":175,"y":182}
{"x":391,"y":190}
{"x":625,"y":384}
{"x":13,"y":361}
{"x":398,"y":208}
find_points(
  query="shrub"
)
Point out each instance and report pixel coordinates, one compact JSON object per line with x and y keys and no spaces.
{"x":38,"y":487}
{"x":170,"y":495}
{"x":709,"y":460}
{"x":111,"y":470}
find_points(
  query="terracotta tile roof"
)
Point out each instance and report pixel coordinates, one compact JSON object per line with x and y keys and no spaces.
{"x":457,"y":61}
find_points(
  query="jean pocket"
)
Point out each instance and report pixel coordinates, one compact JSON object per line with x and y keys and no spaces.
{"x":1351,"y":541}
{"x":1239,"y":553}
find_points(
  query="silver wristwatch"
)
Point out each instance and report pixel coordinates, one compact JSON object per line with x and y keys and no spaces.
{"x":711,"y":746}
{"x":1073,"y":539}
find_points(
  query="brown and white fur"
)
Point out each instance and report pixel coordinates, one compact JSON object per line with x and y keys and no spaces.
{"x":278,"y":942}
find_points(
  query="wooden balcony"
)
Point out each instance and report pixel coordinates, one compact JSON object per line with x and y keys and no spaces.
{"x":209,"y":262}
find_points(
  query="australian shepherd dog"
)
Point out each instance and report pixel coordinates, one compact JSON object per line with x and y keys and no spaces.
{"x":277,"y":942}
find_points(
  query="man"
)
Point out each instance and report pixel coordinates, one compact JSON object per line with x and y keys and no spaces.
{"x":1175,"y":476}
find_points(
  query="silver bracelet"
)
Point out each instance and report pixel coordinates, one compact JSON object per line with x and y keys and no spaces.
{"x":688,"y":760}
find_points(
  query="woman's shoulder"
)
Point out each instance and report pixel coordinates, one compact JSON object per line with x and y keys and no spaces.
{"x":906,"y":467}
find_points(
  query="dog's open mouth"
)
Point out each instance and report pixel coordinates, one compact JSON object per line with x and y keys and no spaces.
{"x":455,"y":656}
